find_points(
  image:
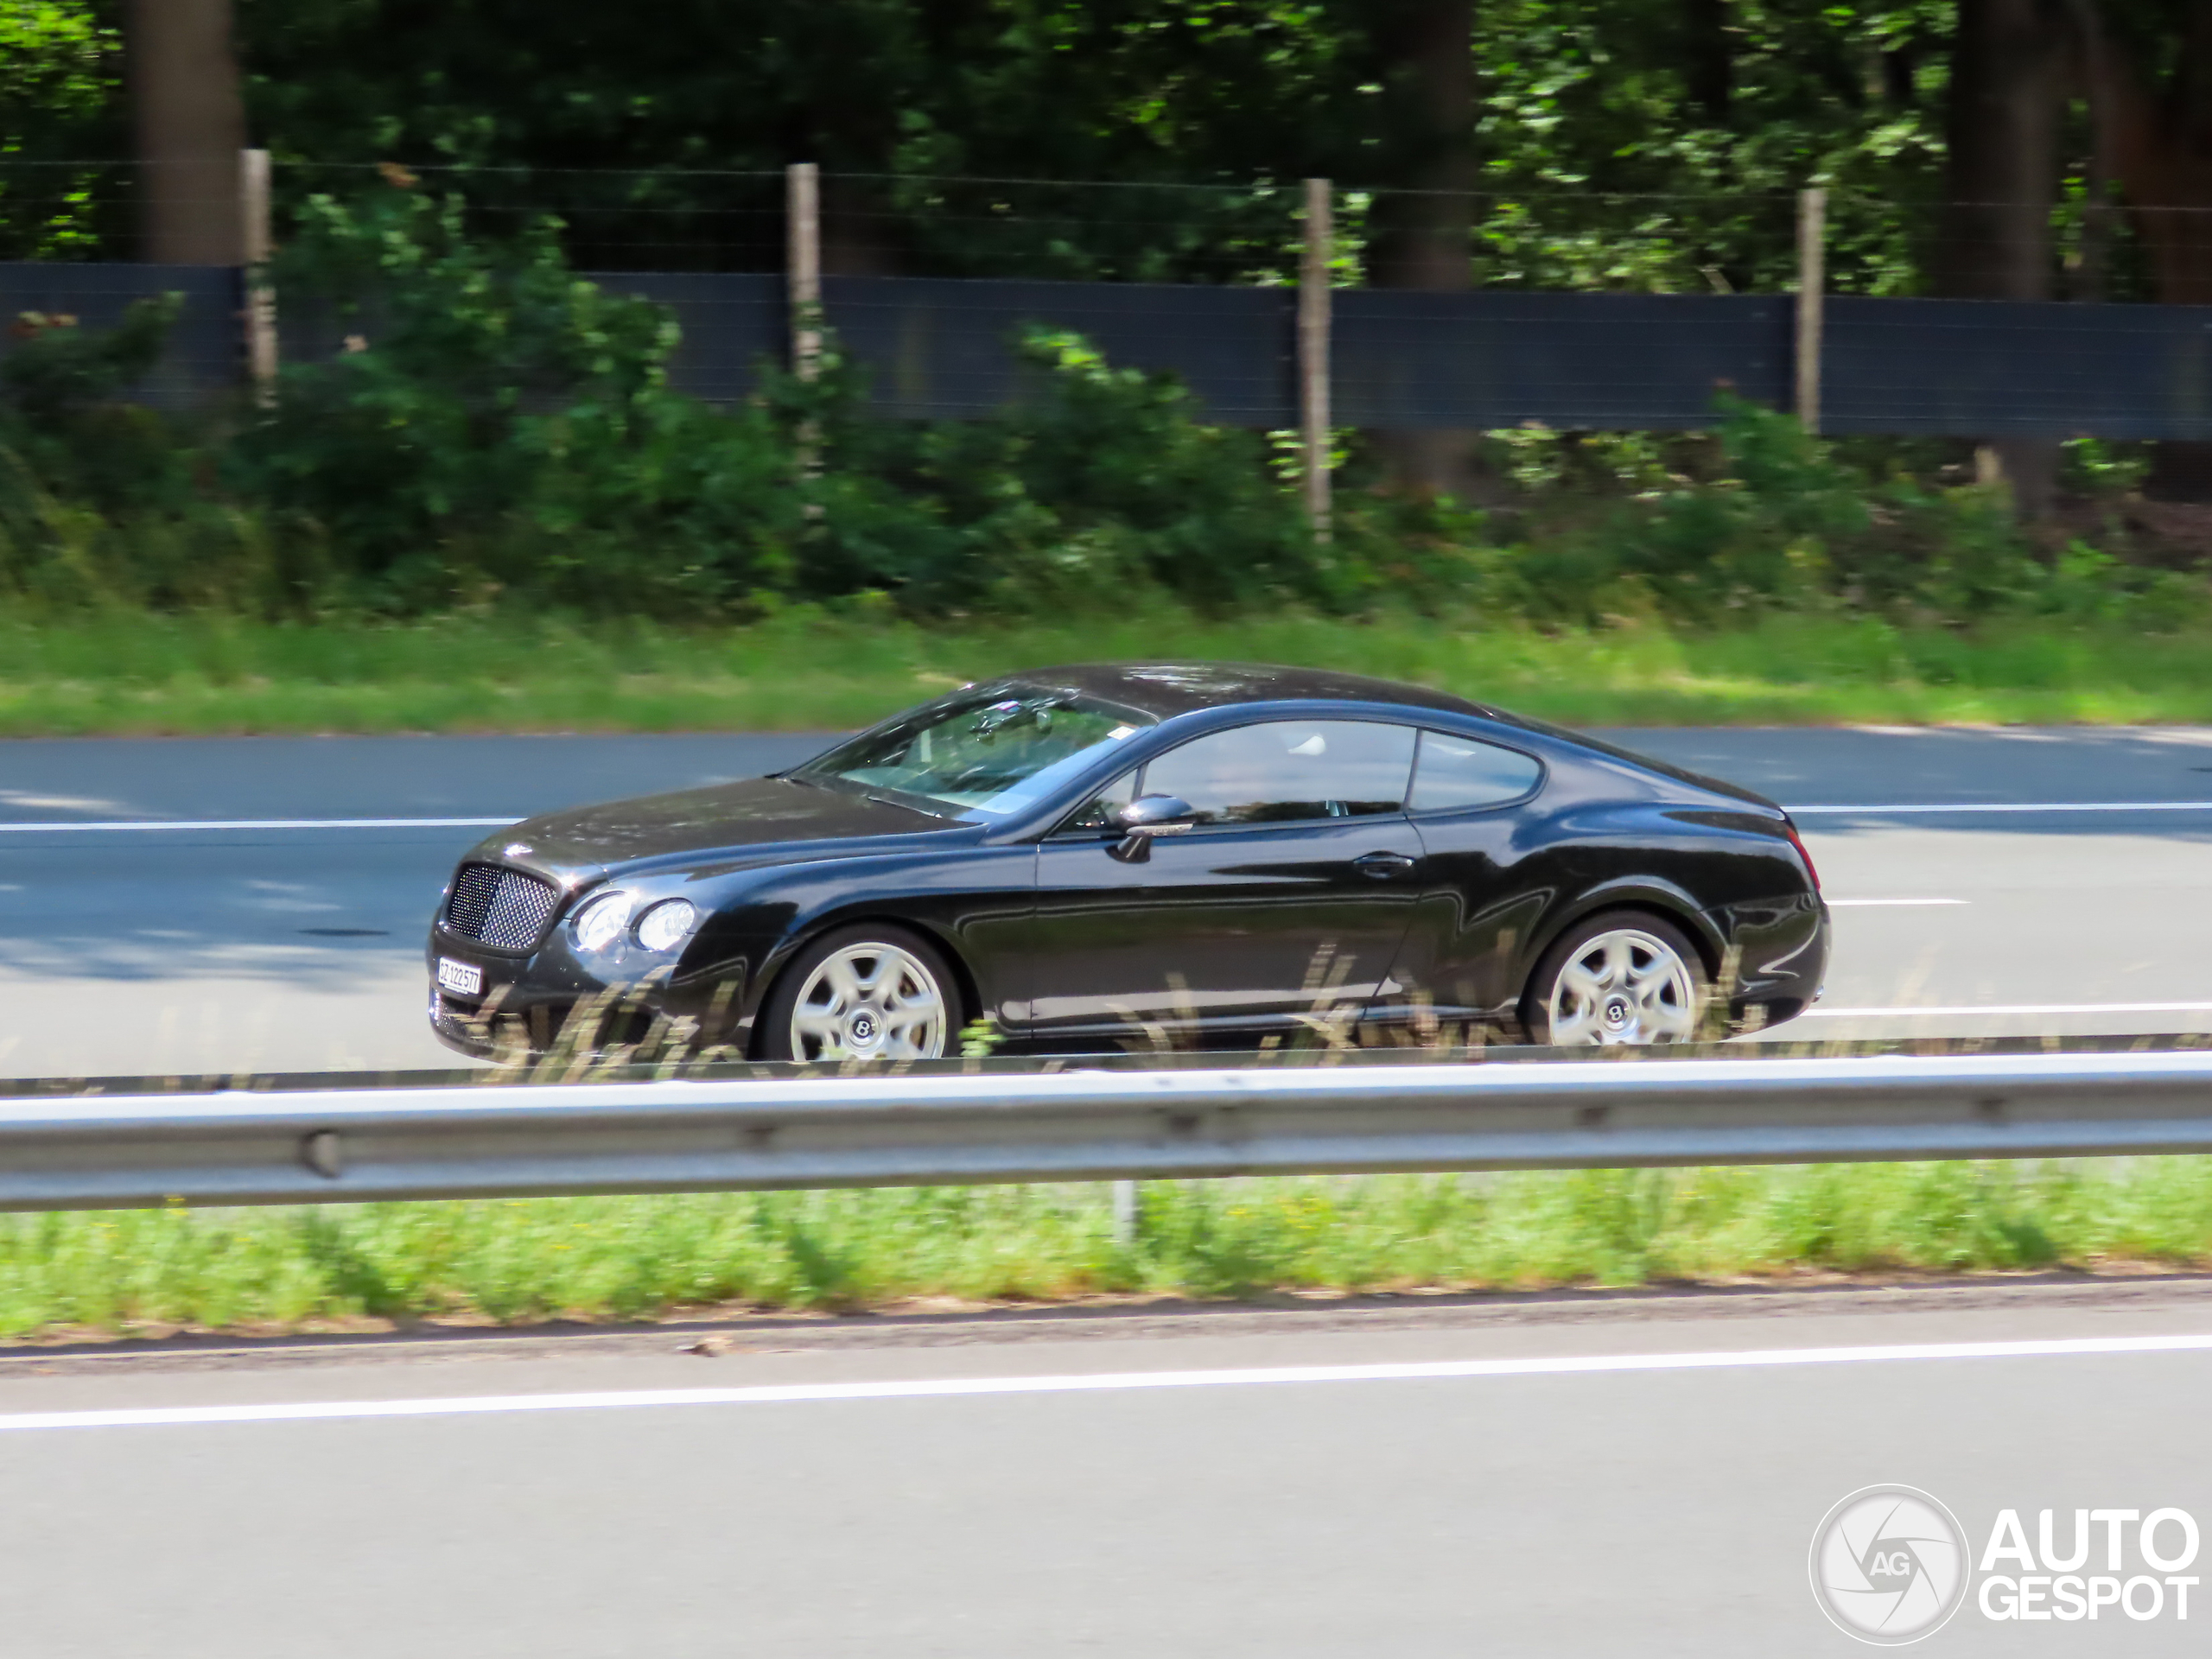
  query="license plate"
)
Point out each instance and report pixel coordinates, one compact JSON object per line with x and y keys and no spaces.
{"x":463,"y":978}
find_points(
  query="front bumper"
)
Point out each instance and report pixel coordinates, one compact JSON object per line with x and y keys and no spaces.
{"x":549,"y":999}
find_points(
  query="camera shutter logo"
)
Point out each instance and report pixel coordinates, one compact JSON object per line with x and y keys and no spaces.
{"x":1889,"y":1565}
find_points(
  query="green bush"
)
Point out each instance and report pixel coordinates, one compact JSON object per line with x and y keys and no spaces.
{"x":494,"y":423}
{"x":1783,"y":522}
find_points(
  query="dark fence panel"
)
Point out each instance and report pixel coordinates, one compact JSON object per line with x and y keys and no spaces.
{"x":1599,"y":361}
{"x":945,"y":346}
{"x":1999,"y":368}
{"x":729,"y":322}
{"x":206,"y":353}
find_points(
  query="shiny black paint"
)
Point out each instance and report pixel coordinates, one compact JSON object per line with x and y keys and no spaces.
{"x":1224,"y":934}
{"x":1249,"y":928}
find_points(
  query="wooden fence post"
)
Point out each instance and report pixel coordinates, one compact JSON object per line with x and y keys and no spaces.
{"x":1812,"y":280}
{"x":802,"y":265}
{"x":1314,"y":351}
{"x":260,"y":296}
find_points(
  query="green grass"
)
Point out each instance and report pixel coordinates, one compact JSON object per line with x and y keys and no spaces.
{"x":629,"y":1258}
{"x":138,"y":673}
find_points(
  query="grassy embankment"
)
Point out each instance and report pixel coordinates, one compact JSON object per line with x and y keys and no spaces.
{"x":624,"y":1258}
{"x":140,"y":673}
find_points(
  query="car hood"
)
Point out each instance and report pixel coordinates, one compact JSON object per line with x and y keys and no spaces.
{"x":759,"y":814}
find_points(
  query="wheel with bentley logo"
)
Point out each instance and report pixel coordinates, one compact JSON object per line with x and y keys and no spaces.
{"x":1622,"y":977}
{"x":868,"y":993}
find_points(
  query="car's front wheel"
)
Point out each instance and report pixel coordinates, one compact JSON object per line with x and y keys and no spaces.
{"x":867,"y":993}
{"x":1622,"y":977}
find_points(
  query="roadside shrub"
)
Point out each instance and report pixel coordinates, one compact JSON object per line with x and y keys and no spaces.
{"x":1784,"y":523}
{"x":490,"y":422}
{"x":1102,"y":481}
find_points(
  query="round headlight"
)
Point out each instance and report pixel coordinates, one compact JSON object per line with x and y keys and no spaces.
{"x":663,"y":926}
{"x":598,"y":923}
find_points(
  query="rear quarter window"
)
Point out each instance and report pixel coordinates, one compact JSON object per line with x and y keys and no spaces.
{"x":1451,"y":771}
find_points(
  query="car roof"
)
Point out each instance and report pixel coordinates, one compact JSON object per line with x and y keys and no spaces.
{"x":1165,"y":689}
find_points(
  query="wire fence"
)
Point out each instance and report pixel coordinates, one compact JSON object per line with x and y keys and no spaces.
{"x":1247,"y":233}
{"x":1573,"y":309}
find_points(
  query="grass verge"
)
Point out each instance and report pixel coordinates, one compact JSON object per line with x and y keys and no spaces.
{"x":138,"y":673}
{"x":597,"y":1259}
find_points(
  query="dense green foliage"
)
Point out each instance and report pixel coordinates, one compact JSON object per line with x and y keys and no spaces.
{"x":1623,"y":142}
{"x":60,"y":78}
{"x":1620,"y":142}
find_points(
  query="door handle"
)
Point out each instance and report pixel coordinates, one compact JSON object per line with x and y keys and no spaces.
{"x":1382,"y":866}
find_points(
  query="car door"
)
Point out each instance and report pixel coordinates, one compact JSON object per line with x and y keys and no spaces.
{"x":1478,"y":905}
{"x":1282,"y":906}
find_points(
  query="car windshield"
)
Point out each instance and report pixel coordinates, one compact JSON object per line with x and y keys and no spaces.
{"x":991,"y":755}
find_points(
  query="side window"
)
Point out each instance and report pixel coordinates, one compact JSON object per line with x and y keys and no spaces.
{"x":1098,"y":812}
{"x":1282,"y":770}
{"x":1465,"y":772}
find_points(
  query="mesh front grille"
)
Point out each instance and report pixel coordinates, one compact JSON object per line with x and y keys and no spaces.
{"x":502,"y":908}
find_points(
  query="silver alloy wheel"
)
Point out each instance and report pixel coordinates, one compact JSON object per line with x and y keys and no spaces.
{"x":1625,"y":986}
{"x":869,"y":1002}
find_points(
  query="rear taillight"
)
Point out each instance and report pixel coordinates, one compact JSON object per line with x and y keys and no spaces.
{"x":1798,"y":842}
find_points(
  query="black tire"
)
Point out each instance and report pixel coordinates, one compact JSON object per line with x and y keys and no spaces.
{"x":1652,"y":1004}
{"x":776,"y":1039}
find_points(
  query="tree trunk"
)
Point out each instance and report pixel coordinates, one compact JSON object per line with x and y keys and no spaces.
{"x":2162,"y":156}
{"x":1708,"y":59}
{"x":2159,"y":147}
{"x":2003,"y":133}
{"x":1421,"y":232}
{"x":190,"y":127}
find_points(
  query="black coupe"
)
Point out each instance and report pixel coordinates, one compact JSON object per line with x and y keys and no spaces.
{"x":1181,"y":855}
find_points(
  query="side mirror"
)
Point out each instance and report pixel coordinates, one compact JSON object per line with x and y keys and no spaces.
{"x":1146,"y":816}
{"x":1156,"y":814}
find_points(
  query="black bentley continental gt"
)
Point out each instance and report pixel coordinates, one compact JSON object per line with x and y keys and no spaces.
{"x":1178,"y":854}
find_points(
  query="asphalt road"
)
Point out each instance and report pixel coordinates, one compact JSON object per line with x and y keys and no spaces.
{"x":225,"y":944}
{"x":1538,"y":1485}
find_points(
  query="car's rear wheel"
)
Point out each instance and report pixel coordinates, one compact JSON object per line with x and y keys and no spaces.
{"x":867,"y":993}
{"x":1625,"y":976}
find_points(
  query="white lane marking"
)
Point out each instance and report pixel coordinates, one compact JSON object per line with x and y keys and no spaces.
{"x":1103,"y":1382}
{"x":2008,"y":1008}
{"x":2015,"y":806}
{"x":263,"y":823}
{"x":1839,"y":904}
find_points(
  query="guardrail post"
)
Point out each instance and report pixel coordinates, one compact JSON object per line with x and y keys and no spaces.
{"x":1812,"y":280}
{"x":260,"y":296}
{"x":1127,"y":1213}
{"x":1314,"y":351}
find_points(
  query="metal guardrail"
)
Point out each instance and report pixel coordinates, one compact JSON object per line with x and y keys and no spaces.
{"x":346,"y":1144}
